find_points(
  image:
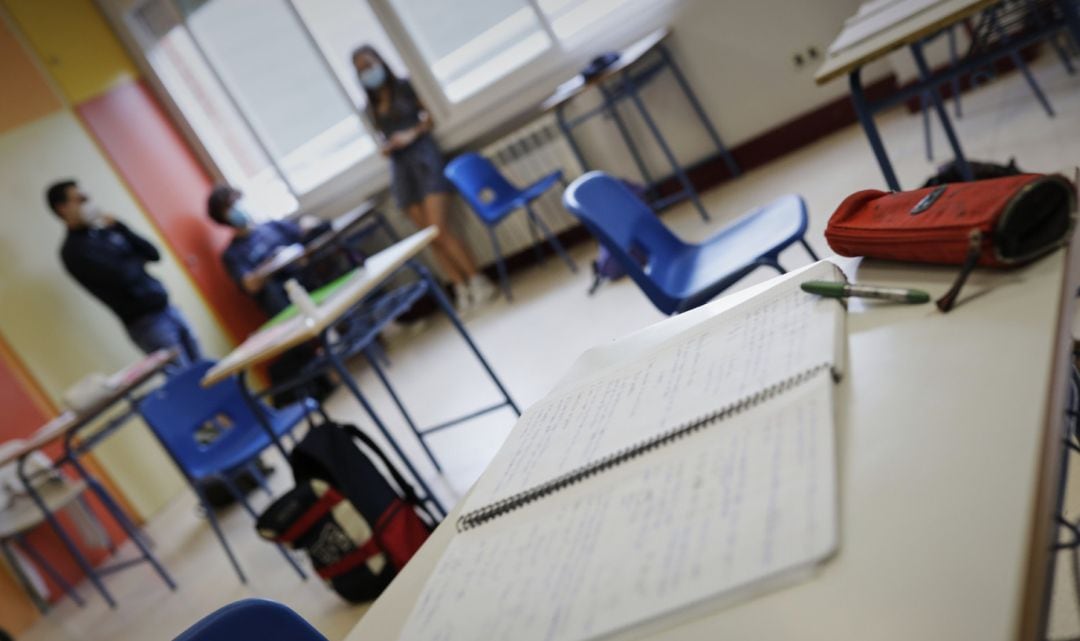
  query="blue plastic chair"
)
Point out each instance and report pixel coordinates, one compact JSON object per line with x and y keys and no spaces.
{"x":493,"y":198}
{"x":252,"y":620}
{"x":182,"y":408}
{"x":675,"y":275}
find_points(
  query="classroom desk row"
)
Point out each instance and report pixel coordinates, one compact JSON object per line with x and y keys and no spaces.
{"x":950,"y":432}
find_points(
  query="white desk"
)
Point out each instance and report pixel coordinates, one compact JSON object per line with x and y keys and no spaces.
{"x":948,"y":429}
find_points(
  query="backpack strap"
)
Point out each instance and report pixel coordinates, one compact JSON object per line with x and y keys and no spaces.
{"x":406,"y":488}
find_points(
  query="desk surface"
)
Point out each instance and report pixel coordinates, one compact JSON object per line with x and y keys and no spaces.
{"x":571,"y":88}
{"x":121,"y":384}
{"x":947,"y":430}
{"x":893,"y":35}
{"x":275,"y":339}
{"x":293,"y":253}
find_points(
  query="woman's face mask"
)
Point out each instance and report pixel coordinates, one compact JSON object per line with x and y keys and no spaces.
{"x":373,"y":77}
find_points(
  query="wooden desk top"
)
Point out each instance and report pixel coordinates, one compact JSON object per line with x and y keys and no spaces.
{"x":339,"y":226}
{"x":948,"y":433}
{"x":571,"y":88}
{"x":896,"y":34}
{"x":121,"y":384}
{"x":276,"y":339}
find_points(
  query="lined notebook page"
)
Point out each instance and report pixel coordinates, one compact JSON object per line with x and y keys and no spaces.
{"x":745,"y":502}
{"x":780,"y":333}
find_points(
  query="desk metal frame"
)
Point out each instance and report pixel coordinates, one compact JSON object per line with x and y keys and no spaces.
{"x":929,"y":82}
{"x":628,"y":86}
{"x":337,"y":350}
{"x":72,"y":450}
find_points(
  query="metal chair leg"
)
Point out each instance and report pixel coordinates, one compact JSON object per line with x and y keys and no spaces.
{"x":808,"y":248}
{"x":500,"y":264}
{"x":216,"y":527}
{"x":32,"y":552}
{"x":242,"y":500}
{"x":551,"y":239}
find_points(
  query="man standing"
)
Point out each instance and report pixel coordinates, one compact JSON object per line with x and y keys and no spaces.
{"x":109,"y":260}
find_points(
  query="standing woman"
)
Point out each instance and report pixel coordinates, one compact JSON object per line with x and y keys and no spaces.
{"x":418,"y":183}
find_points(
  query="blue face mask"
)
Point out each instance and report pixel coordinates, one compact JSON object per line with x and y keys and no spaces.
{"x":373,"y":77}
{"x":238,"y":218}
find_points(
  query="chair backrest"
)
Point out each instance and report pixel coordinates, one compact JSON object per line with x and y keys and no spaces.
{"x":627,"y":227}
{"x":178,"y":409}
{"x":480,"y":184}
{"x":252,"y":620}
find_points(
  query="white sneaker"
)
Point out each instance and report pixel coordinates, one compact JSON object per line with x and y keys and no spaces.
{"x":463,"y":301}
{"x":483,"y":291}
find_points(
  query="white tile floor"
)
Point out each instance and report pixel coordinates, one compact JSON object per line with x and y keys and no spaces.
{"x":532,"y":341}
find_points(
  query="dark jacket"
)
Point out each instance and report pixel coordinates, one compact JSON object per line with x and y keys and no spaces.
{"x":110,"y":262}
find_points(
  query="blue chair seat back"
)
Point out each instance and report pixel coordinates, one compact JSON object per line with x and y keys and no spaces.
{"x":181,"y":407}
{"x":628,"y":228}
{"x":486,"y":190}
{"x":252,"y":620}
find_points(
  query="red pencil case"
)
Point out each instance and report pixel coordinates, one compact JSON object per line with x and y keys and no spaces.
{"x":1001,"y":222}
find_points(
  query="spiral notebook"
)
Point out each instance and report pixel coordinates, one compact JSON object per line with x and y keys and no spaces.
{"x":699,"y":473}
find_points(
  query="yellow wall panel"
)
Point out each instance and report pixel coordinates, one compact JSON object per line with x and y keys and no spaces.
{"x":27,"y":94}
{"x":59,"y":331}
{"x":75,"y":43}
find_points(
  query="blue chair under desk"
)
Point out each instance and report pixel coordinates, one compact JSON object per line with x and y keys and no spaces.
{"x":676,"y":275}
{"x":252,"y":620}
{"x":214,"y":433}
{"x":493,"y":198}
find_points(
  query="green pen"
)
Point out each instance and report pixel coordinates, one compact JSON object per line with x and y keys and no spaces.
{"x":834,"y":289}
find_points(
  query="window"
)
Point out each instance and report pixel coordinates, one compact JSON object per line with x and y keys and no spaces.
{"x":470,"y":44}
{"x":339,"y":27}
{"x":570,"y":17}
{"x":268,"y":86}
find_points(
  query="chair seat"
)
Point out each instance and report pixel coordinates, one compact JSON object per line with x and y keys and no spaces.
{"x":234,"y":454}
{"x":23,"y":514}
{"x":700,"y":271}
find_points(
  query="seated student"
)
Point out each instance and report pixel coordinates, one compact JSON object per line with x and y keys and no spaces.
{"x":253,"y":244}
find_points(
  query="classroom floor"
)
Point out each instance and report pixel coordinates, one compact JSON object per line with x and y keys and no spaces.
{"x":534,"y":340}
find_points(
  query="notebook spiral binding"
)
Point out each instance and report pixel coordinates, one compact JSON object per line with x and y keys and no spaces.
{"x":521,"y":499}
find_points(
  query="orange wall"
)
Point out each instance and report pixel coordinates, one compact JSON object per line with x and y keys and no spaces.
{"x":172,"y":187}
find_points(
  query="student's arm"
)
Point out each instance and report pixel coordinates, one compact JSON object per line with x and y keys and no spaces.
{"x":141,"y":246}
{"x":101,"y":267}
{"x":248,"y":282}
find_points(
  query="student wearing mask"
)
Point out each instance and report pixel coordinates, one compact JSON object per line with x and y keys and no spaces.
{"x":252,"y":244}
{"x":109,"y":261}
{"x":418,"y":184}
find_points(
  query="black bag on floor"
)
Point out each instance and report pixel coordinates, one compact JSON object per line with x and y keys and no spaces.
{"x":357,"y":528}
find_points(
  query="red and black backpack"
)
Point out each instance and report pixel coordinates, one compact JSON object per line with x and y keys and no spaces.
{"x":358,"y":530}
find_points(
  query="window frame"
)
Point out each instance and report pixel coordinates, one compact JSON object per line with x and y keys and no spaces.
{"x":456,"y":123}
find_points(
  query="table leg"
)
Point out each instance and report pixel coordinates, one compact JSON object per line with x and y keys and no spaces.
{"x":31,"y":591}
{"x":943,"y":115}
{"x":684,"y":180}
{"x":448,"y":309}
{"x":1071,"y":12}
{"x":387,"y":229}
{"x":65,"y":539}
{"x":118,"y":515}
{"x":669,"y":60}
{"x":347,"y":379}
{"x":374,"y":362}
{"x":866,"y":118}
{"x":560,"y":119}
{"x":613,"y":110}
{"x":257,"y":409}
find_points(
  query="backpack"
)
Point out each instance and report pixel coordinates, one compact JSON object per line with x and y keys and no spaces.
{"x":358,"y":530}
{"x":950,"y":172}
